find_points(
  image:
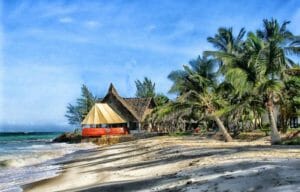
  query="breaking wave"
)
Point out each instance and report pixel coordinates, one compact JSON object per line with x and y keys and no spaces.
{"x":26,"y":162}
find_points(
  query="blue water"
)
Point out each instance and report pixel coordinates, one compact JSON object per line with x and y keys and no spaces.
{"x":30,"y":157}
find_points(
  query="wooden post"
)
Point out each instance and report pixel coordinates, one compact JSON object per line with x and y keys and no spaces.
{"x":139,"y":126}
{"x":150,"y":127}
{"x":128,"y":125}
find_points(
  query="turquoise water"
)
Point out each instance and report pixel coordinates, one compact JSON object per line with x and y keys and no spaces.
{"x":27,"y":136}
{"x":30,"y":157}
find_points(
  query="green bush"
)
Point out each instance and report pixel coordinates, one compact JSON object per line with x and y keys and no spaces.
{"x":178,"y":134}
{"x":295,"y":141}
{"x":266,"y":128}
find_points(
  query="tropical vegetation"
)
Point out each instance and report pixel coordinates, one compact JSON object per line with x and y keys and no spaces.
{"x":248,"y":81}
{"x":77,"y":112}
{"x":145,"y":88}
{"x":243,"y":79}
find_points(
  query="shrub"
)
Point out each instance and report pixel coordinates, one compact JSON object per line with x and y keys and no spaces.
{"x":294,"y":141}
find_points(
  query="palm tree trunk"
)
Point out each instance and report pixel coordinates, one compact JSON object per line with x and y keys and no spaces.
{"x":255,"y":120}
{"x":220,"y":124}
{"x":275,"y":136}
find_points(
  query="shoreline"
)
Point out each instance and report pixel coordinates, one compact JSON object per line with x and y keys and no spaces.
{"x":33,"y":157}
{"x":175,"y":163}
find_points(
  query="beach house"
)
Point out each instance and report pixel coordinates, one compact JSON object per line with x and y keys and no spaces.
{"x":117,"y":115}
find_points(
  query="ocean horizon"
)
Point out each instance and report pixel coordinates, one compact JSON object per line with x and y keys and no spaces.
{"x":30,"y":128}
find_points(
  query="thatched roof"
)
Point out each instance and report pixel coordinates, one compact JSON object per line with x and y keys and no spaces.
{"x":136,"y":106}
{"x":139,"y":105}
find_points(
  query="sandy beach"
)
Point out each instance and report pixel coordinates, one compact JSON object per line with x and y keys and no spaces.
{"x":180,"y":164}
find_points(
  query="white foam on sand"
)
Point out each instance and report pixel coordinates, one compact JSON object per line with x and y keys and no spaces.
{"x":34,"y":162}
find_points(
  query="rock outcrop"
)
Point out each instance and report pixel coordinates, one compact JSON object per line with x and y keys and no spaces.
{"x":68,"y":138}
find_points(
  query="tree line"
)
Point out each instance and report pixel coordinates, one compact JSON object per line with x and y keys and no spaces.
{"x":246,"y":76}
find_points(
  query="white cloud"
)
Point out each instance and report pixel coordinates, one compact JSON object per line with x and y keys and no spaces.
{"x":66,"y":20}
{"x":150,"y":28}
{"x":92,"y":24}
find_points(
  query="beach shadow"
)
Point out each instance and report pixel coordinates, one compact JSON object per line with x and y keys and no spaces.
{"x":173,"y":155}
{"x":95,"y":155}
{"x":151,"y":163}
{"x":258,"y":176}
{"x":135,"y":185}
{"x":228,"y":177}
{"x":162,"y":155}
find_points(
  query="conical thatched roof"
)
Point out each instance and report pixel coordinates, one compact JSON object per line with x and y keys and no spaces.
{"x":112,"y":93}
{"x":137,"y":107}
{"x":102,"y":113}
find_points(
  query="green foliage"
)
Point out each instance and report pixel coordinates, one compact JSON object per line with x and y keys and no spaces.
{"x":73,"y":115}
{"x":197,"y":87}
{"x":145,"y":88}
{"x":180,"y":134}
{"x":266,"y":128}
{"x":225,"y":41}
{"x":295,"y":141}
{"x":254,"y":69}
{"x":77,"y":112}
{"x":194,"y":76}
{"x":161,"y":99}
{"x":238,"y":82}
{"x":250,"y":79}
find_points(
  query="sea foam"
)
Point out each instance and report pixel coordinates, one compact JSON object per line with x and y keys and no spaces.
{"x":26,"y":162}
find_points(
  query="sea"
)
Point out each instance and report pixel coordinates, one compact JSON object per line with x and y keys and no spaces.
{"x":27,"y":157}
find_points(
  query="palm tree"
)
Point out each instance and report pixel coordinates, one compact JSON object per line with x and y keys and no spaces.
{"x":210,"y":104}
{"x":145,"y":88}
{"x":182,"y":82}
{"x":225,"y":41}
{"x":279,"y":43}
{"x":290,"y":102}
{"x":240,"y":72}
{"x":196,"y":86}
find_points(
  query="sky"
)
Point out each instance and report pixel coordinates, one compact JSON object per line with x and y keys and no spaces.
{"x":48,"y":49}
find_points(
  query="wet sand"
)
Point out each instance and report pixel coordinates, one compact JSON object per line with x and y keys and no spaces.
{"x":180,"y":164}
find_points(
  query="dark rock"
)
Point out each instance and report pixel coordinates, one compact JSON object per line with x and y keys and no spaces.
{"x":68,"y":138}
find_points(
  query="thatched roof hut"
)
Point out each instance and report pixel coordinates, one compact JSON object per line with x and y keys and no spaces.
{"x":132,"y":110}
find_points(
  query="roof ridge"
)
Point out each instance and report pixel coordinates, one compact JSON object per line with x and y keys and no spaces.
{"x":136,"y":98}
{"x":112,"y":90}
{"x":149,"y":99}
